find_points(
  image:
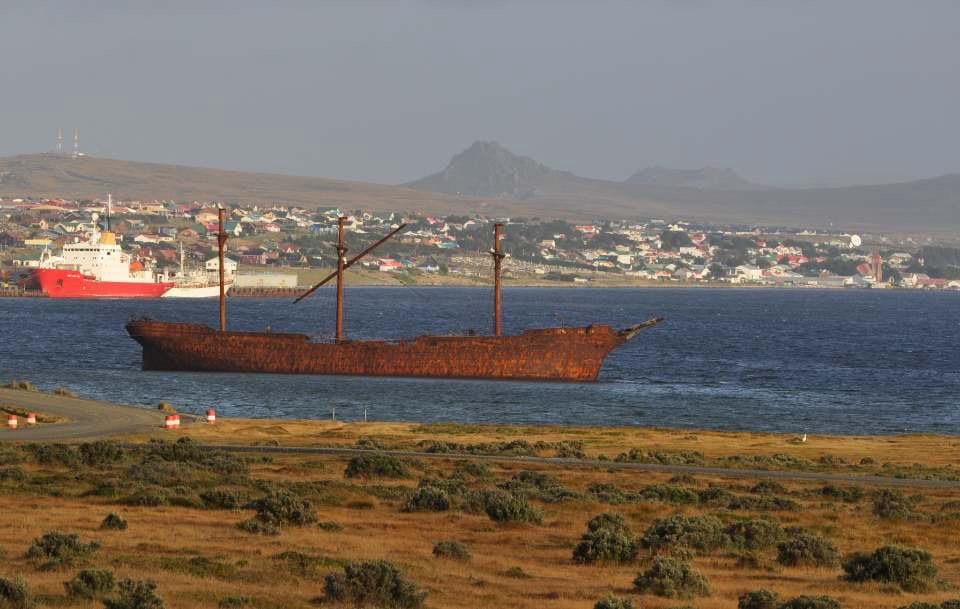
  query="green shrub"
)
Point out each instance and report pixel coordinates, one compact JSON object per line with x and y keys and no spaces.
{"x":612,"y":602}
{"x":476,"y":469}
{"x":892,"y":504}
{"x":303,"y":565}
{"x":847,"y":494}
{"x":135,"y":595}
{"x":951,"y":604}
{"x":537,"y":485}
{"x":234,"y":602}
{"x":223,"y":499}
{"x":427,"y":499}
{"x":12,"y":474}
{"x":669,"y":493}
{"x":716,"y":496}
{"x":610,"y":493}
{"x":63,"y":391}
{"x":758,"y":599}
{"x":502,"y":506}
{"x":55,"y":454}
{"x":754,"y":534}
{"x":910,"y":568}
{"x":90,"y":584}
{"x":682,"y":479}
{"x":330,"y":526}
{"x":284,"y":508}
{"x":811,"y":602}
{"x":763,"y":503}
{"x":516,"y":573}
{"x":920,"y":605}
{"x":804,"y":548}
{"x":152,"y":496}
{"x":451,"y":549}
{"x":55,"y":549}
{"x":101,"y":453}
{"x":113,"y":522}
{"x":15,"y":594}
{"x":375,"y":583}
{"x":671,"y":577}
{"x":188,"y":452}
{"x":608,"y":539}
{"x":376,"y":465}
{"x":768,"y":487}
{"x":700,"y":533}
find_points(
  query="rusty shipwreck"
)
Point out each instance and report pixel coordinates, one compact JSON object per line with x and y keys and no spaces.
{"x":548,"y":354}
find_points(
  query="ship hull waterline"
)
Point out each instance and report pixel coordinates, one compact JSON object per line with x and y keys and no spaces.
{"x":551,"y":354}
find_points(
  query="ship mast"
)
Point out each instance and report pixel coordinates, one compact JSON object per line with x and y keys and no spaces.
{"x":221,"y":241}
{"x":341,"y":265}
{"x":497,"y":299}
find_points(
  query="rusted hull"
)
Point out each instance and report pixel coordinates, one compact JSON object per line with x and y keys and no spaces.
{"x":553,"y":354}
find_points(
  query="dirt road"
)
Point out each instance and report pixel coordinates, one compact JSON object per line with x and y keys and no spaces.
{"x":87,"y":419}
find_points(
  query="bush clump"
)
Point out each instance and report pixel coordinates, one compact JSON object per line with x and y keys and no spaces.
{"x":847,"y":494}
{"x":276,"y":509}
{"x":758,"y":599}
{"x":451,"y":549}
{"x":537,"y":485}
{"x":223,"y":499}
{"x":15,"y":594}
{"x":892,"y":504}
{"x":13,"y":474}
{"x":113,"y":522}
{"x":375,"y":583}
{"x":55,"y":549}
{"x":910,"y":568}
{"x":700,"y":533}
{"x":135,"y":595}
{"x":502,"y":506}
{"x":768,"y":487}
{"x":376,"y":465}
{"x":608,"y":539}
{"x":811,"y":602}
{"x":101,"y":453}
{"x":613,"y":602}
{"x":673,"y":578}
{"x":427,"y":499}
{"x":90,"y":584}
{"x":804,"y":548}
{"x":234,"y":602}
{"x":754,"y":534}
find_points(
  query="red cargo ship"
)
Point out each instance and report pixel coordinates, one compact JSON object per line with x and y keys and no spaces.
{"x":550,"y":354}
{"x":95,"y":268}
{"x":63,"y":283}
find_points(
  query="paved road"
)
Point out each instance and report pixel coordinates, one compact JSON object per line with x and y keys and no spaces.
{"x":88,"y":419}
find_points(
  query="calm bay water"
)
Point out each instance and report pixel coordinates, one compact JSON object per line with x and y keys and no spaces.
{"x":781,"y":360}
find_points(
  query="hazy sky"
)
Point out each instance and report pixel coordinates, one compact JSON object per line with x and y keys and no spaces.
{"x":792,"y":92}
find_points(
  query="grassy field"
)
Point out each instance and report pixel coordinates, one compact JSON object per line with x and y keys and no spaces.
{"x":186,"y":538}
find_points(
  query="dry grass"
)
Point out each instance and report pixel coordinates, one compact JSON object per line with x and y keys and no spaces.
{"x":159,"y":541}
{"x":903,"y":450}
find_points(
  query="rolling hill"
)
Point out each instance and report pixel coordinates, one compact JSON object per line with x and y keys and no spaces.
{"x":489,"y":179}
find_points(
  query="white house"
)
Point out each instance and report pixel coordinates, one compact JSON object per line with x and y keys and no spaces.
{"x":229,"y":266}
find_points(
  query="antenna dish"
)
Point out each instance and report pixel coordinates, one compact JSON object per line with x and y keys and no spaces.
{"x":856,"y":241}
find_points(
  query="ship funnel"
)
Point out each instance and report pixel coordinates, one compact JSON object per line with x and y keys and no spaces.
{"x":108,"y":238}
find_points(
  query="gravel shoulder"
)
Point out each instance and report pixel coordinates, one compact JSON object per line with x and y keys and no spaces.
{"x":88,"y":419}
